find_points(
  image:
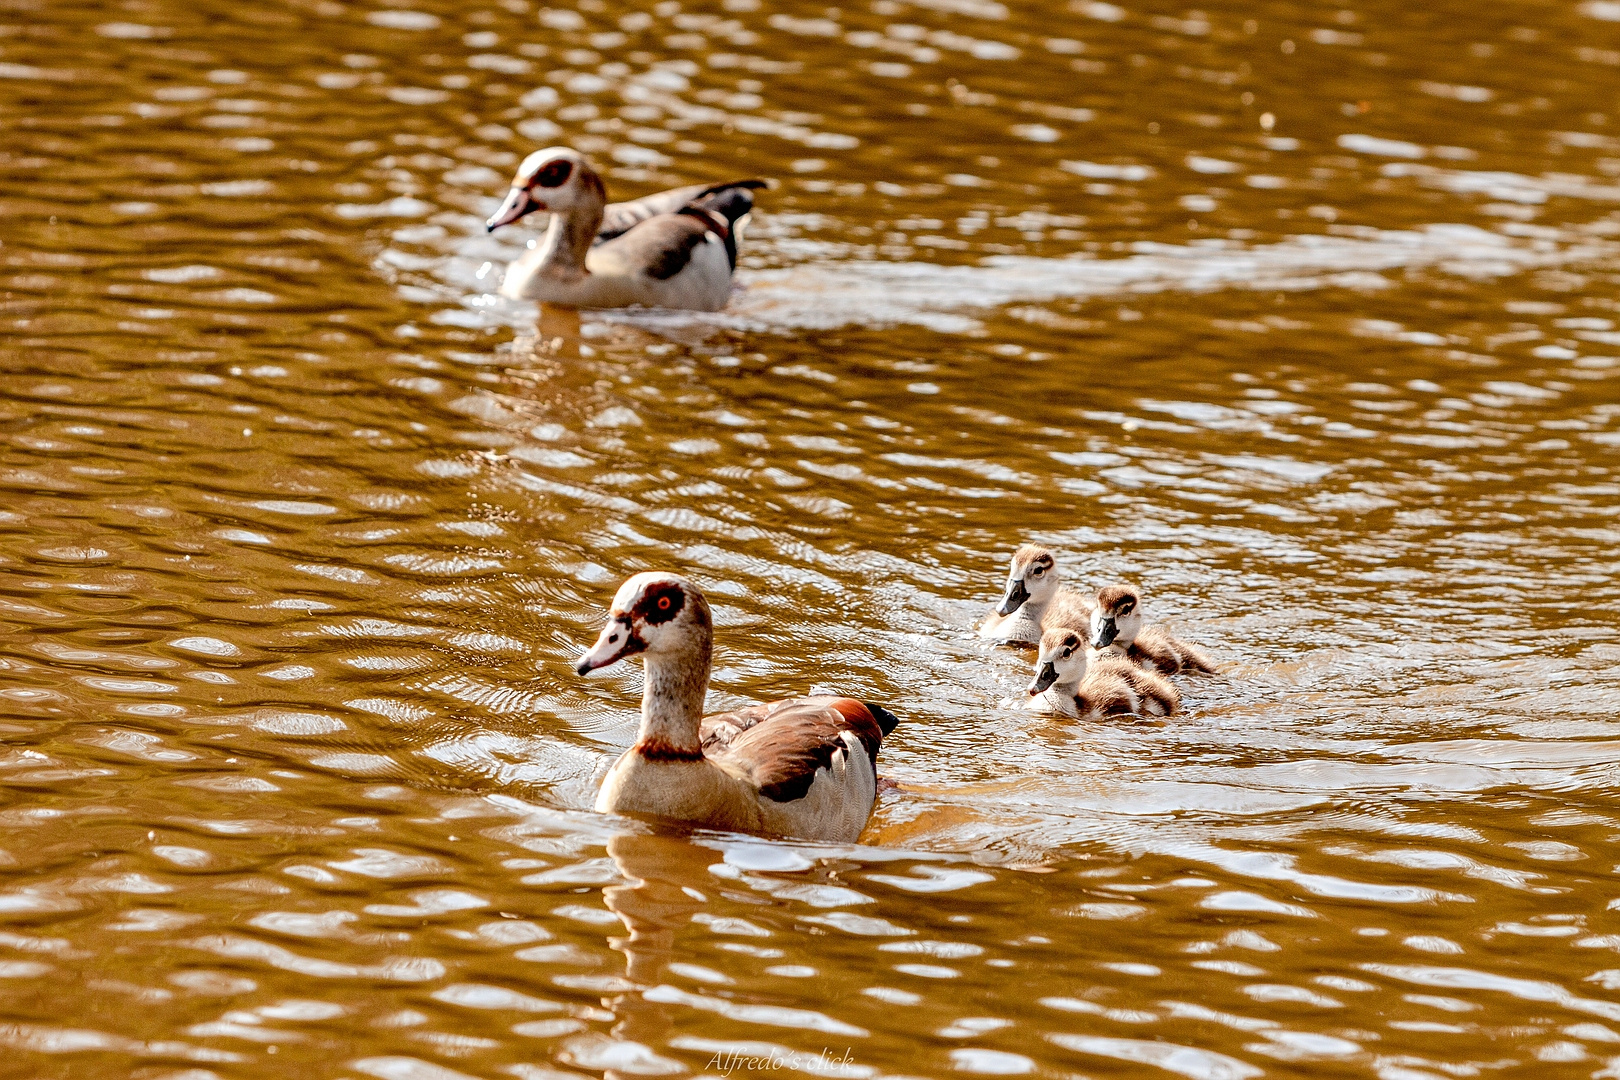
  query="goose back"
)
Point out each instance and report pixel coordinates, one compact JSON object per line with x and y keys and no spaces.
{"x":803,"y":767}
{"x":733,"y":200}
{"x":1162,"y":651}
{"x":1154,"y":693}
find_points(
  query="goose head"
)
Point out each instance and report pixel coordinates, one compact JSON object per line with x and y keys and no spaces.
{"x":1116,"y":618}
{"x":1033,"y":577}
{"x":660,"y":614}
{"x":557,"y":179}
{"x":1062,"y":660}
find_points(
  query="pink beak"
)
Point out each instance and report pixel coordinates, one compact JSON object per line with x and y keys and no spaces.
{"x":518,"y":203}
{"x":615,"y":643}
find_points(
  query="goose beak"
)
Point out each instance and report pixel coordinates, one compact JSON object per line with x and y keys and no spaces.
{"x":1047,"y":676}
{"x":1105,"y":634}
{"x":518,"y":203}
{"x":616,"y":642}
{"x":1016,"y":595}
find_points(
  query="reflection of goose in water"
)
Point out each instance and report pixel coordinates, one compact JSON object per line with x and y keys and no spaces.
{"x":673,"y":249}
{"x":664,"y":879}
{"x":804,"y":767}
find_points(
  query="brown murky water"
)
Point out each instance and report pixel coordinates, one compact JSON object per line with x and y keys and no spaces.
{"x":1303,"y":318}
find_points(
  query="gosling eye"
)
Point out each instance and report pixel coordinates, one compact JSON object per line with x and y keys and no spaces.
{"x":1067,"y":653}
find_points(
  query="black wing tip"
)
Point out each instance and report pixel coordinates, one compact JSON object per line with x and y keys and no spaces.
{"x":751,"y":185}
{"x":886,"y":719}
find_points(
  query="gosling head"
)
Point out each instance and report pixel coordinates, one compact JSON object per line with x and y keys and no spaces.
{"x":1033,"y":576}
{"x":1116,"y":618}
{"x":1062,"y":660}
{"x":556,"y":179}
{"x":653,"y":613}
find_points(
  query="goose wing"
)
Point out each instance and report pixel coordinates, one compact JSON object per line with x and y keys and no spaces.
{"x":732,"y":200}
{"x":662,"y":246}
{"x":779,"y":747}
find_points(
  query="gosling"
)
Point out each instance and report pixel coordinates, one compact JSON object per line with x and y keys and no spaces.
{"x":1068,"y":683}
{"x":1035,"y":601}
{"x":1116,"y":630}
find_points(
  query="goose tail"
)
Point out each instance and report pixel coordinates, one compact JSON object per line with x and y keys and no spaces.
{"x":886,"y":719}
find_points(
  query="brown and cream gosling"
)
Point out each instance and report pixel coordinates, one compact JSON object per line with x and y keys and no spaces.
{"x":804,"y":767}
{"x":1117,"y":630}
{"x":1034,"y":601}
{"x":1068,"y":683}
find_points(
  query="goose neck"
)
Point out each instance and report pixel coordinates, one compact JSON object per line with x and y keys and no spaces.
{"x":1026,"y":621}
{"x":567,"y":240}
{"x":672,"y":702}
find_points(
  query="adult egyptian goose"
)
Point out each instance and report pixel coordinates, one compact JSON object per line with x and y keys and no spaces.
{"x":673,"y":249}
{"x":1068,"y":683}
{"x":1117,"y":630}
{"x":1034,"y":602}
{"x":804,"y":767}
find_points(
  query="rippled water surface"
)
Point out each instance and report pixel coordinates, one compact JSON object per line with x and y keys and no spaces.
{"x":1301,"y":317}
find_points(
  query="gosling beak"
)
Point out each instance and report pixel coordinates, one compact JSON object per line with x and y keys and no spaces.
{"x":1046,"y":677}
{"x":518,"y":203}
{"x":1105,"y":634}
{"x":616,"y":642}
{"x":1016,"y":595}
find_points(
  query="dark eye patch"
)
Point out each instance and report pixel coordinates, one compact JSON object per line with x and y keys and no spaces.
{"x":661,"y":603}
{"x":555,"y":174}
{"x":1127,"y":607}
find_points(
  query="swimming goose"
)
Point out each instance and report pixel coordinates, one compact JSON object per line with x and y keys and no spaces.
{"x":804,"y":767}
{"x":1116,"y":629}
{"x":1068,"y":683}
{"x":1034,"y":601}
{"x":673,"y":249}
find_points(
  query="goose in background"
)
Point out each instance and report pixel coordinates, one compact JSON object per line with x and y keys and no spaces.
{"x":803,"y":767}
{"x":1117,"y":630}
{"x":1068,"y":683}
{"x":1034,"y":601}
{"x":672,"y":249}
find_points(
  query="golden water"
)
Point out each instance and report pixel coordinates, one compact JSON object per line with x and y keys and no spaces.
{"x":300,"y":524}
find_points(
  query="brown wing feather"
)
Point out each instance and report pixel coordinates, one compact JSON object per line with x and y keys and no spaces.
{"x":1168,"y":653}
{"x":719,"y":730}
{"x":1148,"y":684}
{"x":780,"y":746}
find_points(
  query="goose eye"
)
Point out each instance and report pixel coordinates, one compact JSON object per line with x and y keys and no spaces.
{"x":663,"y":603}
{"x":1038,"y":571}
{"x":555,"y":174}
